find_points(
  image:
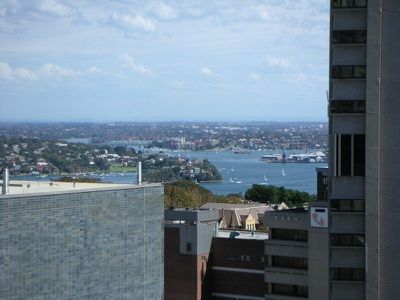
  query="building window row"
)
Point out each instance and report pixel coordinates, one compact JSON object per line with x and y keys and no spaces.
{"x":348,"y":274}
{"x":347,"y":240}
{"x":289,"y":290}
{"x":290,"y":262}
{"x":347,"y":106}
{"x":349,"y":155}
{"x":245,"y":258}
{"x":289,"y":234}
{"x":349,"y":3}
{"x":349,"y":72}
{"x":349,"y":36}
{"x":348,"y":205}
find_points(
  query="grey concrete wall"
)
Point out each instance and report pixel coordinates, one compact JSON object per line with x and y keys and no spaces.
{"x":286,"y":248}
{"x":196,"y":227}
{"x":318,"y":260}
{"x":82,"y":245}
{"x":383,"y":146}
{"x":287,"y":220}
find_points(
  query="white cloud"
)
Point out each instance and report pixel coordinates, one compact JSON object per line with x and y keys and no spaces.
{"x":51,"y":70}
{"x":262,"y":11}
{"x":6,"y":72}
{"x":138,"y":68}
{"x":176,"y":84}
{"x":299,"y":77}
{"x":277,"y":62}
{"x":53,"y":7}
{"x":206,"y":71}
{"x":93,"y":70}
{"x":57,"y":71}
{"x":163,"y":11}
{"x":132,"y":22}
{"x":255,"y":76}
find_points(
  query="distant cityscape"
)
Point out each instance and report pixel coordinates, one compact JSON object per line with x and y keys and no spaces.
{"x":163,"y":235}
{"x":186,"y":135}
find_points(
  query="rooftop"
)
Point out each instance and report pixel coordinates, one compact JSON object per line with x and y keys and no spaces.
{"x":210,"y":205}
{"x":17,"y":187}
{"x":248,"y":235}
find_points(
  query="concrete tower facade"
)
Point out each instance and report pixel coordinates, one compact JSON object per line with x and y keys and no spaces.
{"x":364,"y":114}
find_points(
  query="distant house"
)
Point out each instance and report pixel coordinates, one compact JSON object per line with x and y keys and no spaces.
{"x":240,"y":216}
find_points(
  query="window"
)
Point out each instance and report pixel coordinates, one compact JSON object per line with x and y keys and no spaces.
{"x":350,"y":155}
{"x":359,"y":155}
{"x":322,"y":187}
{"x":349,"y":37}
{"x":348,"y":274}
{"x":289,"y":234}
{"x":347,"y":106}
{"x":188,"y":247}
{"x":349,"y":3}
{"x":345,"y":154}
{"x":289,"y":290}
{"x":347,"y":240}
{"x":348,"y":72}
{"x":290,"y":262}
{"x":348,"y":205}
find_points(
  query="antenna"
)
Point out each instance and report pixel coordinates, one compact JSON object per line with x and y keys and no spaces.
{"x":6,"y":178}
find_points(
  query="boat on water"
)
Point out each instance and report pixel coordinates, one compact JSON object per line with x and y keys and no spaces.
{"x":283,"y":172}
{"x":239,"y":181}
{"x":315,"y":157}
{"x":271,"y":157}
{"x":241,"y":151}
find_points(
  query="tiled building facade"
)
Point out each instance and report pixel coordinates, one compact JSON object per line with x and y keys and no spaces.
{"x":87,"y":244}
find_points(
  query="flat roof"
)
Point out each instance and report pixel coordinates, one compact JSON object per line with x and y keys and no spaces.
{"x":257,"y":235}
{"x":17,"y":187}
{"x":212,"y":205}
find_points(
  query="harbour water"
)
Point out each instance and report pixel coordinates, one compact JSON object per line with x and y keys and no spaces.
{"x":239,"y":171}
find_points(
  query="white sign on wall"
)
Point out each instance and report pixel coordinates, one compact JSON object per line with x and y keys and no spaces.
{"x":319,"y":217}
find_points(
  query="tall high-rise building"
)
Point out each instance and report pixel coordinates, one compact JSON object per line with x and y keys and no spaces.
{"x":63,"y":240}
{"x":364,"y":119}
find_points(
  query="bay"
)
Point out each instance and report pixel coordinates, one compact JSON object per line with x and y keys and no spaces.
{"x":239,"y":172}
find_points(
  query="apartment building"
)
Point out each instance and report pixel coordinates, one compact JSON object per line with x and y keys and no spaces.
{"x":297,"y":251}
{"x":364,"y":114}
{"x":64,"y":240}
{"x":237,"y":266}
{"x":188,"y":237}
{"x":203,"y":262}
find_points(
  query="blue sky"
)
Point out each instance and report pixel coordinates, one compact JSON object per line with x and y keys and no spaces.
{"x":163,"y":60}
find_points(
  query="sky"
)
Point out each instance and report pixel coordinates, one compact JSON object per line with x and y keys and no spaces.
{"x":105,"y":60}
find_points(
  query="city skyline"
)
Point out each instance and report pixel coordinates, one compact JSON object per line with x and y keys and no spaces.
{"x":164,"y":61}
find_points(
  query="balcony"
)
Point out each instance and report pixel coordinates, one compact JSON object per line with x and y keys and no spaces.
{"x":283,"y":297}
{"x":347,"y":222}
{"x":347,"y":256}
{"x":286,"y":276}
{"x":286,"y":248}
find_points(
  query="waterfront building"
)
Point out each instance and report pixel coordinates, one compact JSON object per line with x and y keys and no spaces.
{"x":64,"y":240}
